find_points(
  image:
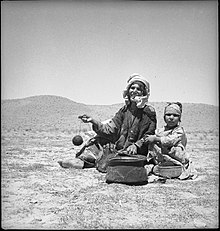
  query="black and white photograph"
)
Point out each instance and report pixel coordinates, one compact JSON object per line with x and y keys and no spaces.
{"x":109,"y":115}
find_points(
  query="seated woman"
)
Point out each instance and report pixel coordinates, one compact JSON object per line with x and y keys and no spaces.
{"x":168,"y":146}
{"x":130,"y":126}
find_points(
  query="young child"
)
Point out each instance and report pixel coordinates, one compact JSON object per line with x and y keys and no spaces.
{"x":168,"y":146}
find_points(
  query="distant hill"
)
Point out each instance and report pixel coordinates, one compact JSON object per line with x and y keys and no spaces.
{"x":49,"y":112}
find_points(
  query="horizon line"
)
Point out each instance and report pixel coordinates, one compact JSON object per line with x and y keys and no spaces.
{"x":22,"y":98}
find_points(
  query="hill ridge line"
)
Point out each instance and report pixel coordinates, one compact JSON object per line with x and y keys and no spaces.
{"x":65,"y":98}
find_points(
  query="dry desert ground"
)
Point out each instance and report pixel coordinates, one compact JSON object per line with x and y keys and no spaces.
{"x":38,"y":194}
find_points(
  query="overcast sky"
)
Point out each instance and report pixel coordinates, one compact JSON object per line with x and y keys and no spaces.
{"x":86,"y":50}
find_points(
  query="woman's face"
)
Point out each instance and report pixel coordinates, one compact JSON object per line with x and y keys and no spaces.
{"x":135,"y":90}
{"x":171,"y":120}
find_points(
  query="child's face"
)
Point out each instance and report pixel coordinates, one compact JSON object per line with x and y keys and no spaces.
{"x":171,"y":120}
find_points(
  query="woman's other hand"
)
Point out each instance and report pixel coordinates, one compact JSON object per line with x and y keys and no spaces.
{"x":132,"y":149}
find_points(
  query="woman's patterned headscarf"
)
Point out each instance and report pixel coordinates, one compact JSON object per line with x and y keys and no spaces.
{"x":140,"y":100}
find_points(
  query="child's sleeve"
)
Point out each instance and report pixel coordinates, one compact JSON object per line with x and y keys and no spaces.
{"x":176,"y":139}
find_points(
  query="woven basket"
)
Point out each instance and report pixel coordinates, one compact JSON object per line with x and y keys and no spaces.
{"x":167,"y":171}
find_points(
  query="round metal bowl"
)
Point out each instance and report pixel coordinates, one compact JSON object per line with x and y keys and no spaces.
{"x":168,"y":171}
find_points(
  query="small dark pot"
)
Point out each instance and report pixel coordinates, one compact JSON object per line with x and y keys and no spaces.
{"x":127,"y":170}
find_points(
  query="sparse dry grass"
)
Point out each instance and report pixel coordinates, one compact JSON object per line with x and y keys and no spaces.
{"x":38,"y":194}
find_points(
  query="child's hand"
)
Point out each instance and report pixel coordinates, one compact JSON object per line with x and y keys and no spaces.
{"x":151,"y":139}
{"x":172,"y":151}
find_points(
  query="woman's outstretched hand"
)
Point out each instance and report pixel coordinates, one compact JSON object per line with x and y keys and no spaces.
{"x":85,"y":118}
